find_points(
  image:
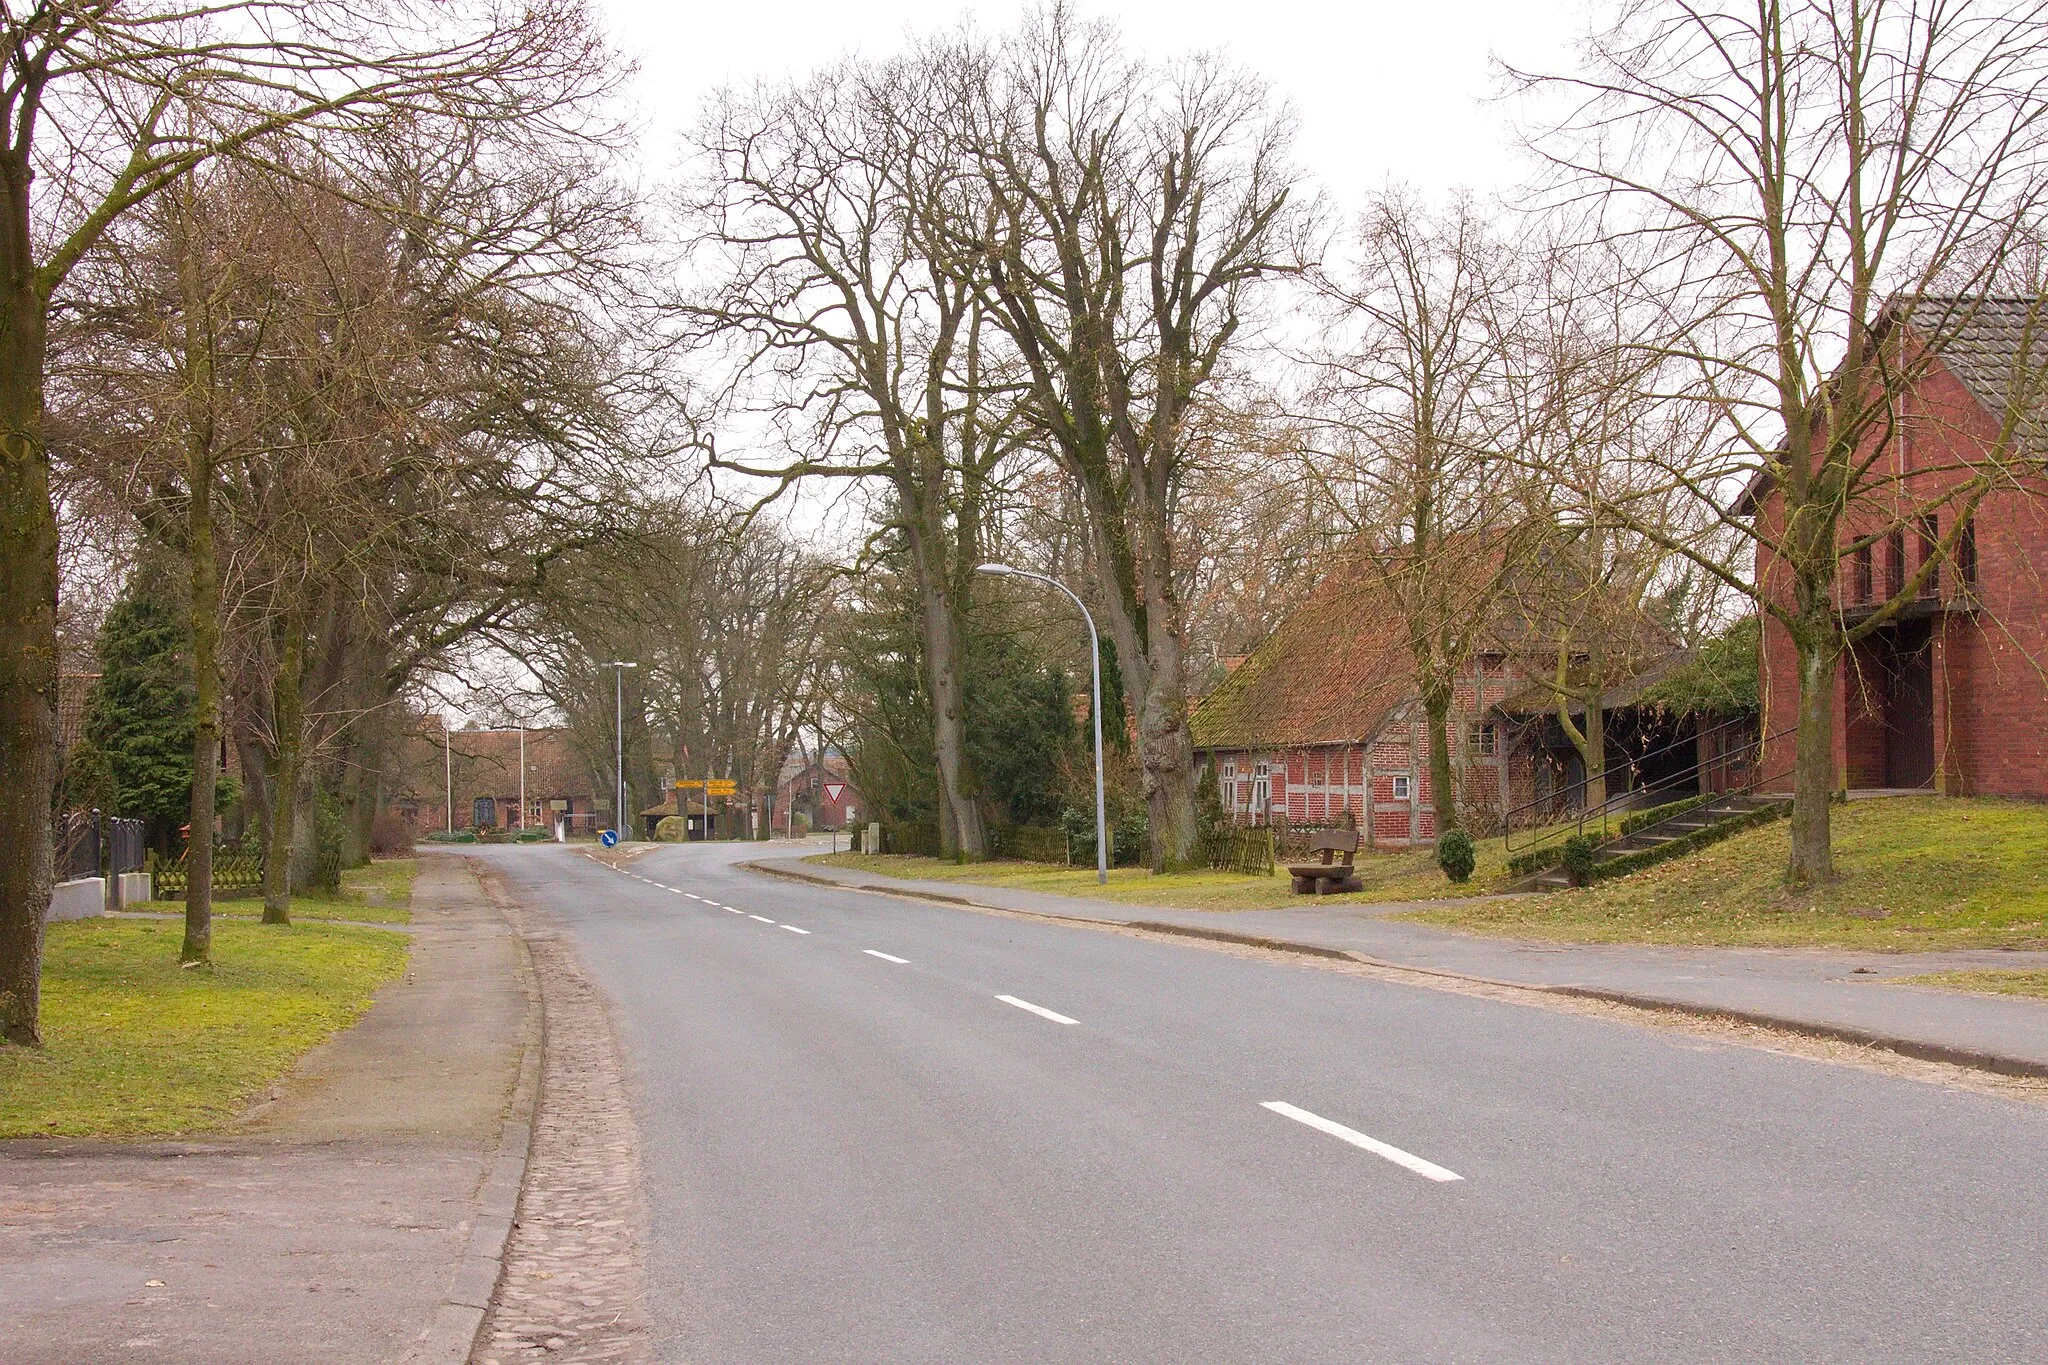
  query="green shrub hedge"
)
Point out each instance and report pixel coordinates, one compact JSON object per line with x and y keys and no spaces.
{"x":1687,"y":843}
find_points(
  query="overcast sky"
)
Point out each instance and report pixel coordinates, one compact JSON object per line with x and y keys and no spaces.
{"x":1384,"y":90}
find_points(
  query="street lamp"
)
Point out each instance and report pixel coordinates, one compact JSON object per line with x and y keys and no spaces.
{"x":619,"y":667}
{"x":1095,"y":670}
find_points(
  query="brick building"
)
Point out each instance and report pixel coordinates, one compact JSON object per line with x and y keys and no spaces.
{"x":1950,"y":694}
{"x":484,"y":767}
{"x":1321,"y":719}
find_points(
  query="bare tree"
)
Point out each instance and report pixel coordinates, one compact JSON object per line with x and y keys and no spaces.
{"x":1134,"y":213}
{"x":105,"y":107}
{"x":1798,"y":182}
{"x":1412,"y":398}
{"x":824,"y":218}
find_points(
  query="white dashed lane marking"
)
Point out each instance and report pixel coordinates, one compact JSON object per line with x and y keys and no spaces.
{"x":794,"y":930}
{"x":1429,"y":1170}
{"x":887,"y":957}
{"x":1039,"y":1010}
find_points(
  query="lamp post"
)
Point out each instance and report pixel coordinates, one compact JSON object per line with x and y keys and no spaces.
{"x":1095,"y":672}
{"x":618,"y":668}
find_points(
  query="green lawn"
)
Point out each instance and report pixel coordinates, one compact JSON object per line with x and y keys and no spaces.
{"x":1988,"y":982}
{"x":1403,"y":876}
{"x":1918,"y":873}
{"x":380,"y":893}
{"x":135,"y":1046}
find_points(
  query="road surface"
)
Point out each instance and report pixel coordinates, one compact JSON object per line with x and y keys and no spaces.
{"x":877,"y":1130}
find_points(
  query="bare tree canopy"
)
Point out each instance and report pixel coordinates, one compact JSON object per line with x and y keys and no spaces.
{"x":1815,"y":199}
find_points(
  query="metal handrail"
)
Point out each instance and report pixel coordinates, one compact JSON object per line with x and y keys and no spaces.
{"x":1626,"y":797}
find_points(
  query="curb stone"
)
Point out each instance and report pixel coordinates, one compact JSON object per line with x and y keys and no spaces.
{"x":451,"y":1333}
{"x":1970,"y":1058}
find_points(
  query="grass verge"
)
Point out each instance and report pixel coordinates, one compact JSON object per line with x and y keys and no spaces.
{"x":380,"y":893}
{"x":136,"y":1047}
{"x":1404,"y":876}
{"x":1917,"y":874}
{"x":1986,"y":983}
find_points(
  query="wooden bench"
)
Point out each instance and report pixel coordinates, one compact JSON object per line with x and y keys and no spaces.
{"x":1327,"y":876}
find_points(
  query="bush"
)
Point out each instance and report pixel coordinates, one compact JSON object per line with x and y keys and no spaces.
{"x":673,"y":829}
{"x":390,"y":835}
{"x":1577,"y":859}
{"x":1454,"y":854}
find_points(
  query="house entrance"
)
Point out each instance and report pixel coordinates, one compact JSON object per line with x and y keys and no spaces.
{"x":1905,"y":658}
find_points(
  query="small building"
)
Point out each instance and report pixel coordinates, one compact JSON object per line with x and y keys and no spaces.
{"x":1322,"y":719}
{"x":820,"y":789}
{"x":483,"y":767}
{"x":1951,"y":693}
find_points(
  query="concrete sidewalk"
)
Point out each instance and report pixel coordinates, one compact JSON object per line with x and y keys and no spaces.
{"x":1831,"y":993}
{"x":355,"y":1214}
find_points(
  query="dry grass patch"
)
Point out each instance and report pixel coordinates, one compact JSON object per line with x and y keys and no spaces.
{"x":1985,"y":982}
{"x":1917,"y":874}
{"x":1409,"y":875}
{"x":135,"y":1046}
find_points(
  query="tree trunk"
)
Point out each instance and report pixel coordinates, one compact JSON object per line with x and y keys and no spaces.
{"x":28,"y":630}
{"x":204,"y":608}
{"x":1591,"y":742}
{"x":198,"y":945}
{"x":961,"y":832}
{"x":288,"y":728}
{"x":1813,"y":780}
{"x":1436,"y":706}
{"x":1166,"y":748}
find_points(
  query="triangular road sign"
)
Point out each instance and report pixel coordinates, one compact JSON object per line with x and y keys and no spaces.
{"x":834,"y":790}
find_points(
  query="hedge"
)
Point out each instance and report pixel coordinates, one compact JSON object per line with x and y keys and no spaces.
{"x":1688,"y":843}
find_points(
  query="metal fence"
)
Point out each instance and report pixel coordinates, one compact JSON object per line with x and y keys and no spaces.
{"x":87,"y":843}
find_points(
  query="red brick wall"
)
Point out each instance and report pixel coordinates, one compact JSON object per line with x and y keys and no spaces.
{"x":1991,"y":699}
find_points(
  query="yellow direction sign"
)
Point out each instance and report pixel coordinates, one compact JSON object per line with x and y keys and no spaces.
{"x":718,"y":786}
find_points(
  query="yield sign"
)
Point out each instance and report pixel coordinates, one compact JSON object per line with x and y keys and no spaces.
{"x":833,"y":791}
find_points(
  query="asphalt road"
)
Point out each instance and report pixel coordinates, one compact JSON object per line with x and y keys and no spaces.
{"x":913,"y":1133}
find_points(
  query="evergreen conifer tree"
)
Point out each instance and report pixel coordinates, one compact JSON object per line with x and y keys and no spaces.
{"x":140,"y":714}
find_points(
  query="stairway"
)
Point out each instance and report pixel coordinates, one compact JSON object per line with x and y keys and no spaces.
{"x":1663,"y":832}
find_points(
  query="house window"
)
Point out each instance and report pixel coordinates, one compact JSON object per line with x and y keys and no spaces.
{"x":1895,"y":563}
{"x":1929,"y":529}
{"x":1863,"y":581}
{"x":1966,"y":555}
{"x":1402,"y":788}
{"x":1484,"y":741}
{"x":483,"y":813}
{"x":1262,"y":794}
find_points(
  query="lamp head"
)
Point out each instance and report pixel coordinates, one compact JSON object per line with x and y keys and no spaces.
{"x":999,"y":570}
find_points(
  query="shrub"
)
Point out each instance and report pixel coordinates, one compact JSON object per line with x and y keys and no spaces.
{"x":673,"y":829}
{"x":390,"y":835}
{"x":1577,"y":859}
{"x":1455,"y":856}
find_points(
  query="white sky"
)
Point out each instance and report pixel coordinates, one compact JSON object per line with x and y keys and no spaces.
{"x":1384,"y":90}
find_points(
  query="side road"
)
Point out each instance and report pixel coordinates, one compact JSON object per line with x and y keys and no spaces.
{"x":357,"y":1213}
{"x":1831,"y":994}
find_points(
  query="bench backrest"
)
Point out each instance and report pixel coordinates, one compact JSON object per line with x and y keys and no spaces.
{"x":1335,"y":841}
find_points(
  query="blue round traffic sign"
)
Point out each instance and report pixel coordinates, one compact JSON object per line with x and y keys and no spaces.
{"x":608,"y":838}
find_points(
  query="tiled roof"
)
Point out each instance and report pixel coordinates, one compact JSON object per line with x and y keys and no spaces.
{"x":1333,"y":673}
{"x":1995,"y":346}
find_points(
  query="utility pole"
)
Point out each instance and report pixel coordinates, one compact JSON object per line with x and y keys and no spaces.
{"x":448,"y":774}
{"x":618,"y":667}
{"x":1095,"y":667}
